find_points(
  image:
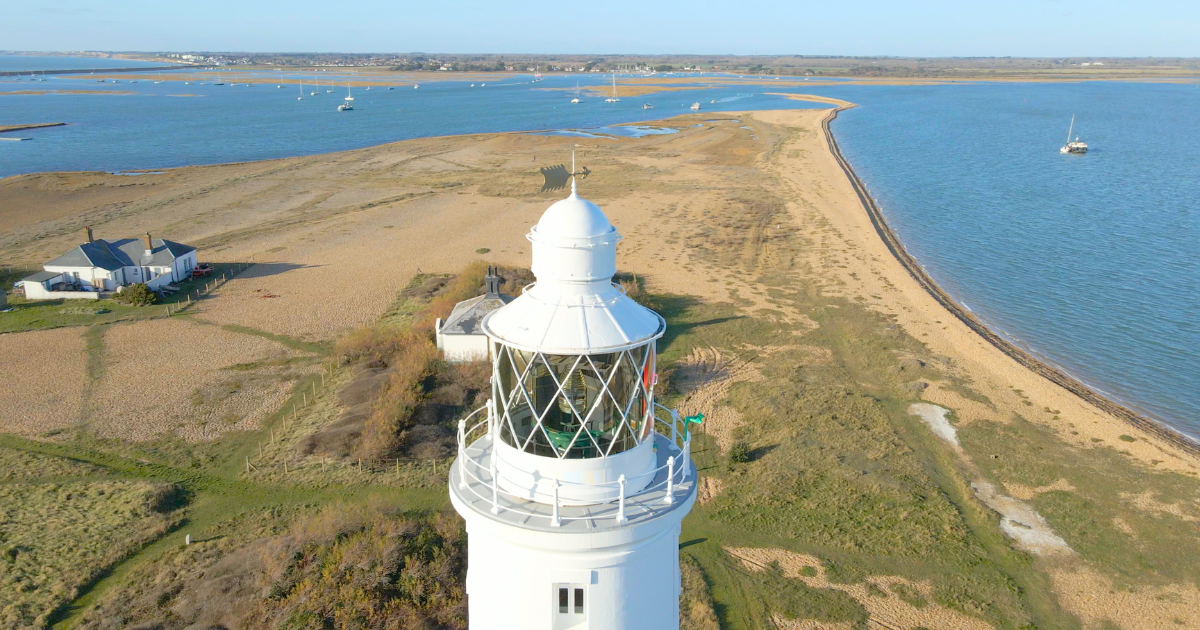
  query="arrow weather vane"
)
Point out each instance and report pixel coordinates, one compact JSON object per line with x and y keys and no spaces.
{"x":556,"y":176}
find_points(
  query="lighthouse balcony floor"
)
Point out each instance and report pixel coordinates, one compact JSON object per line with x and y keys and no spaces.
{"x":473,"y":483}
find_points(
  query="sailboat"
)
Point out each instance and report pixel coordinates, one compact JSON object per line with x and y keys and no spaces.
{"x":613,"y":98}
{"x":1073,"y":147}
{"x":537,"y":76}
{"x":316,"y":90}
{"x":301,"y":97}
{"x":576,"y":99}
{"x":349,"y":104}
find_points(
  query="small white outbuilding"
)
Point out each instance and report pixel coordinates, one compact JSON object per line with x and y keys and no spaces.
{"x":460,"y":337}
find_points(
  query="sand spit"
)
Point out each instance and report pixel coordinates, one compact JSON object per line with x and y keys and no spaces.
{"x":887,"y":610}
{"x":1100,"y":605}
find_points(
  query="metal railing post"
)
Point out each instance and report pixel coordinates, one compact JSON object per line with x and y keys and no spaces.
{"x":495,"y":486}
{"x":491,"y":412}
{"x":687,"y":457}
{"x":621,"y":502}
{"x":462,"y":454}
{"x":554,"y":520}
{"x":670,"y":498}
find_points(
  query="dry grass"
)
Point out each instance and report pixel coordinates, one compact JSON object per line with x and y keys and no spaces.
{"x":344,"y":567}
{"x":193,"y":380}
{"x":696,"y":608}
{"x":890,"y":600}
{"x":44,"y":375}
{"x":56,"y":537}
{"x":21,"y":466}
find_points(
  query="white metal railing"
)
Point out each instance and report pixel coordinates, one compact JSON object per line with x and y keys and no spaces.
{"x":479,"y":478}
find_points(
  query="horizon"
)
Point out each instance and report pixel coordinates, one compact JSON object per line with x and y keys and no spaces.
{"x":1022,"y":29}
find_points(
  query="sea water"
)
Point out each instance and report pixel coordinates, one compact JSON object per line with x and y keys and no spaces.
{"x":1089,"y":262}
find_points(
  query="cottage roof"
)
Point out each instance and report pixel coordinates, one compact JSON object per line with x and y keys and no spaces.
{"x":467,"y":315}
{"x":126,"y":252}
{"x":41,"y":276}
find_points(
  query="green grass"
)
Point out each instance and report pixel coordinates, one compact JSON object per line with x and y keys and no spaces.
{"x":57,"y":537}
{"x":1162,"y":547}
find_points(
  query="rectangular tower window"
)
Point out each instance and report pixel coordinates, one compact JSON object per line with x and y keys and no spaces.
{"x":562,"y":601}
{"x":578,"y":601}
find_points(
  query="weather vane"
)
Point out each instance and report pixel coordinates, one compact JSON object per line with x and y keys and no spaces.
{"x":557,"y":176}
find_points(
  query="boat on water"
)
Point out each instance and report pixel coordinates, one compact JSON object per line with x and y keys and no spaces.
{"x":415,"y":86}
{"x":391,"y":88}
{"x":316,"y":90}
{"x":613,"y":98}
{"x":695,"y":106}
{"x":576,"y":99}
{"x":349,"y":104}
{"x":1073,"y":147}
{"x":301,"y":97}
{"x":647,"y":106}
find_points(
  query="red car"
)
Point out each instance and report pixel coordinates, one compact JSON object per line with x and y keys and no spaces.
{"x":202,"y":270}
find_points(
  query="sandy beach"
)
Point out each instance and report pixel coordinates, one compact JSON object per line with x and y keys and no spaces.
{"x":732,"y":212}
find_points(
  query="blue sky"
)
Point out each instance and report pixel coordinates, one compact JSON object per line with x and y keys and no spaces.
{"x":866,"y":27}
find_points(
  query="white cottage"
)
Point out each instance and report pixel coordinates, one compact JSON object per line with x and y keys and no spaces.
{"x":459,"y":337}
{"x":101,"y":265}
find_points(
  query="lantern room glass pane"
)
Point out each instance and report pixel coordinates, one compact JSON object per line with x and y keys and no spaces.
{"x":574,"y":406}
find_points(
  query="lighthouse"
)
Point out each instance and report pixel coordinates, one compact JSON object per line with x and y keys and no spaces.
{"x":572,"y":480}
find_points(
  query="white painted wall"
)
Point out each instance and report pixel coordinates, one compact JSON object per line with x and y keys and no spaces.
{"x":463,"y":348}
{"x":630,"y":575}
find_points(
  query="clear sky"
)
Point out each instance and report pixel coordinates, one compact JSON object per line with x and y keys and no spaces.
{"x":1019,"y":28}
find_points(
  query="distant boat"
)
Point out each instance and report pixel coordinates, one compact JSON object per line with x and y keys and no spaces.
{"x":1076,"y":146}
{"x":576,"y":99}
{"x":537,"y":76}
{"x":647,"y":106}
{"x":301,"y":97}
{"x":349,"y":104}
{"x":613,"y":98}
{"x":316,"y":90}
{"x":696,"y":106}
{"x":391,"y":88}
{"x":415,"y":86}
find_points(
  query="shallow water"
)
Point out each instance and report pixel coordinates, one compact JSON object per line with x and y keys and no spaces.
{"x":1088,"y":261}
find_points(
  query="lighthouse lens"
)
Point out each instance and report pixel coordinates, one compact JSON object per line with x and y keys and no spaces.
{"x":573,"y":406}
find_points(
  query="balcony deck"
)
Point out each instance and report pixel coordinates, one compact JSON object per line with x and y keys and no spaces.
{"x":642,"y":507}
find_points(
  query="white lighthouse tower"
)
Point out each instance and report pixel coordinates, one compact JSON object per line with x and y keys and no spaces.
{"x":572,"y":480}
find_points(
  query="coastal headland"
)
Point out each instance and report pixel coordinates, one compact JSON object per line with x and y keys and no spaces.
{"x":869,"y":454}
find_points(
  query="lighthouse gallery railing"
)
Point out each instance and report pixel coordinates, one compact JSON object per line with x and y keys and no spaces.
{"x":471,"y":469}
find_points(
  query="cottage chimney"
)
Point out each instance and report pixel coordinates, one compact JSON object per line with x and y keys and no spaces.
{"x":88,"y":230}
{"x":149,"y":245}
{"x":492,"y":283}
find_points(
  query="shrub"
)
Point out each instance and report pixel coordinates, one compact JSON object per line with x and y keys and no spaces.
{"x":136,"y":295}
{"x":740,"y":453}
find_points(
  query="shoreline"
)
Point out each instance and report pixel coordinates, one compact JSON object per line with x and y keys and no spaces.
{"x":1041,"y":368}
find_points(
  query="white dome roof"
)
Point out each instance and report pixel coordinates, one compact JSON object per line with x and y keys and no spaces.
{"x":573,"y":217}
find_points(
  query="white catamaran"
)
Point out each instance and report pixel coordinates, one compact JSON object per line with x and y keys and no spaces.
{"x":1076,"y":146}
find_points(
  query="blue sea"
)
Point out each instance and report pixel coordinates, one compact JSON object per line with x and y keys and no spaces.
{"x":1090,"y":262}
{"x":34,"y":63}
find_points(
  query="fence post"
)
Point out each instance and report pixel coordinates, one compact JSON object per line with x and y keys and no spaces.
{"x":670,"y":498}
{"x":285,"y":468}
{"x":397,"y":467}
{"x":359,"y":464}
{"x":621,"y":503}
{"x":247,"y":465}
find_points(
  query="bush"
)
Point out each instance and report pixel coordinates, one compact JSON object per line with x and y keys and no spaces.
{"x":136,"y":295}
{"x":740,"y":453}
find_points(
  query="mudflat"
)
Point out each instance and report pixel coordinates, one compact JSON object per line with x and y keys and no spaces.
{"x":888,"y":447}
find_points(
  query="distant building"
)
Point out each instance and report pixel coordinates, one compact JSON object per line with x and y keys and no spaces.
{"x":100,"y":265}
{"x":460,"y":337}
